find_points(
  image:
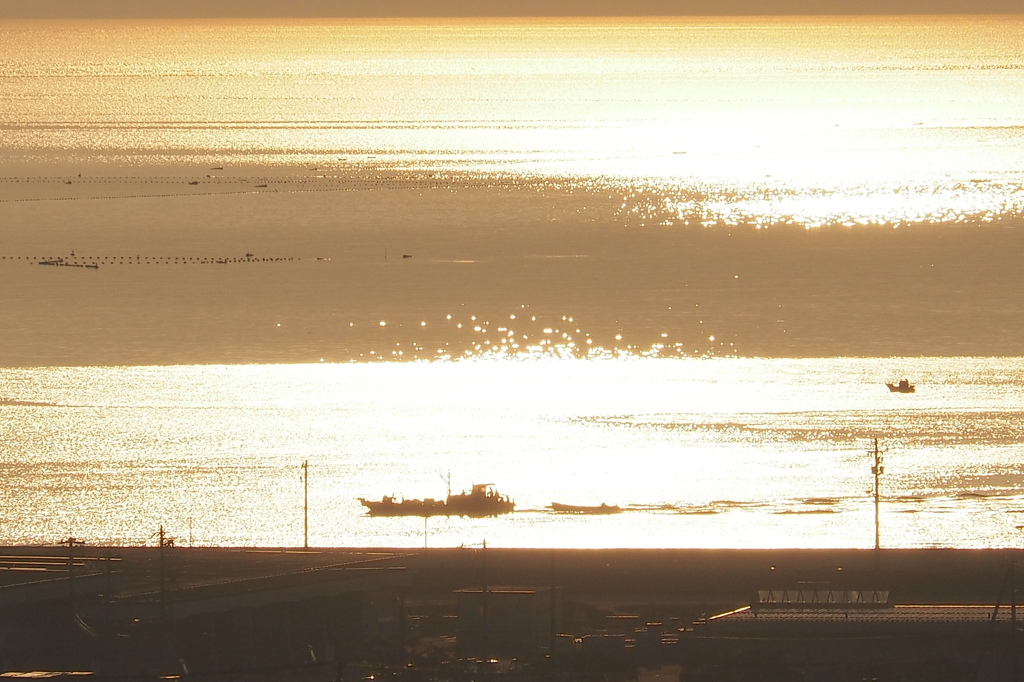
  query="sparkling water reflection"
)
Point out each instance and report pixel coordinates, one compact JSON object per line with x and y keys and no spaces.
{"x":517,"y":164}
{"x":757,"y":120}
{"x":714,"y":453}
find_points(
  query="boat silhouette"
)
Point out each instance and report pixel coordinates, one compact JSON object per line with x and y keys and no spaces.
{"x":903,"y":386}
{"x":602,"y":508}
{"x":481,"y":500}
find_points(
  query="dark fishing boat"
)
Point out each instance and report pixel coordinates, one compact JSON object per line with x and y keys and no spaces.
{"x":903,"y":386}
{"x":394,"y":506}
{"x":481,"y":500}
{"x":602,"y":508}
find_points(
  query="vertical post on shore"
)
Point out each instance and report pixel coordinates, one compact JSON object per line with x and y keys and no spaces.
{"x":401,"y":619}
{"x":71,"y":570}
{"x":554,"y":610}
{"x":485,"y":648}
{"x":877,"y":470}
{"x":305,"y":504}
{"x":1013,"y":613}
{"x":164,"y":644}
{"x":108,"y":585}
{"x":160,"y":557}
{"x":167,"y":646}
{"x":71,"y":542}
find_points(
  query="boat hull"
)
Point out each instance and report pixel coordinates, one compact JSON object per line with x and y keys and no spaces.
{"x":481,"y":501}
{"x":581,"y":509}
{"x":389,"y":506}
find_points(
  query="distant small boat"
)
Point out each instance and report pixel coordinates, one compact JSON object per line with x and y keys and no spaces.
{"x":602,"y":508}
{"x":903,"y":386}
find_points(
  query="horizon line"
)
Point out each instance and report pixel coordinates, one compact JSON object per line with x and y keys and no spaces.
{"x":456,"y":9}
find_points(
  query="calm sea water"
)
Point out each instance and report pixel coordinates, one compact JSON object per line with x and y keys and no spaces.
{"x":700,"y":121}
{"x":701,"y":453}
{"x":662,"y":265}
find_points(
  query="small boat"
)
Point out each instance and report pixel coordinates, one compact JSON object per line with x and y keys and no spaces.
{"x":602,"y":508}
{"x":903,"y":386}
{"x":481,"y":500}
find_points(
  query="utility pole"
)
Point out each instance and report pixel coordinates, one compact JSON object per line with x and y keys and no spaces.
{"x":1013,"y":597}
{"x":164,"y":541}
{"x":877,"y":470}
{"x":553,"y":624}
{"x":485,"y":649}
{"x":1013,"y":616}
{"x":305,"y":504}
{"x":71,"y":542}
{"x":166,"y":644}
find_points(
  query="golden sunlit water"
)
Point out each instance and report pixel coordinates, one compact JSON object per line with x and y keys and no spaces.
{"x":699,"y":453}
{"x":708,"y":121}
{"x":667,"y":265}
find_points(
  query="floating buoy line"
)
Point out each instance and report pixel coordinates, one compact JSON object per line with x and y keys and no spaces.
{"x":94,"y":262}
{"x":148,"y":187}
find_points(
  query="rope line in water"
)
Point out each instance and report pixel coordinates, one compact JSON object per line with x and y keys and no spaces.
{"x":96,"y":261}
{"x":261,"y":186}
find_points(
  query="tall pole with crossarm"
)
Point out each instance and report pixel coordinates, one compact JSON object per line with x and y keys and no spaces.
{"x":877,"y":470}
{"x":305,"y":504}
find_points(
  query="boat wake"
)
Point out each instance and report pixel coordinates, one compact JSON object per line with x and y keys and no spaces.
{"x":25,"y":403}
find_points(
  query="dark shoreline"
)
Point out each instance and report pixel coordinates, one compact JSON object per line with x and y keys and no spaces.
{"x":258,"y":614}
{"x":610,"y":576}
